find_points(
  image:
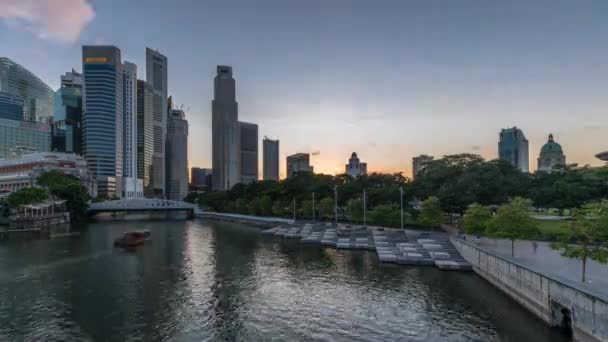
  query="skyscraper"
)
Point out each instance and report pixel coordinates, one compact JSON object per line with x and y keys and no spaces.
{"x":12,"y":107}
{"x":38,"y":97}
{"x":226,"y":153}
{"x":177,"y":155}
{"x":34,"y":136}
{"x":355,"y":168}
{"x":299,"y":162}
{"x":200,"y":179}
{"x":418,"y":163}
{"x":271,"y":159}
{"x":513,"y":147}
{"x":67,"y":118}
{"x":249,"y":152}
{"x":145,"y":135}
{"x":132,"y":187}
{"x":102,"y":118}
{"x":156,"y":76}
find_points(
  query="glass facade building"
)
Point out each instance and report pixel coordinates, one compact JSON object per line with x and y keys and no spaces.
{"x":67,"y":119}
{"x":249,"y":152}
{"x":35,"y":136}
{"x":156,"y":76}
{"x":39,"y":98}
{"x":102,"y":119}
{"x":11,"y":106}
{"x":177,"y":156}
{"x":513,"y":147}
{"x":145,"y":135}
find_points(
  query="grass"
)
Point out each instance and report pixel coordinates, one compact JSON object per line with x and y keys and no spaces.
{"x":552,"y":229}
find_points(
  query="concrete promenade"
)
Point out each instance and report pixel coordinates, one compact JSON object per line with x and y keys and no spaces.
{"x":541,"y":257}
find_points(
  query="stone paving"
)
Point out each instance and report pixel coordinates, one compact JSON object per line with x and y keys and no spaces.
{"x":406,"y":247}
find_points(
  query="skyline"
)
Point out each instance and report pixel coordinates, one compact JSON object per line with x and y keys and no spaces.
{"x":427,"y":79}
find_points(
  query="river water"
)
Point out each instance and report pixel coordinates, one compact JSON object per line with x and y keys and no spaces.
{"x":203,"y":280}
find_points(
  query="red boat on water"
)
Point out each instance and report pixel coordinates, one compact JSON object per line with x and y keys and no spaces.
{"x":132,"y":239}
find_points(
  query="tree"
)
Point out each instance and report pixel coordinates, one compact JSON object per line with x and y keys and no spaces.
{"x":386,"y":215}
{"x":307,"y":208}
{"x":476,"y":219}
{"x":53,"y":178}
{"x":266,"y":206}
{"x":76,"y":198}
{"x":254,"y":207}
{"x":27,"y":195}
{"x":326,"y":208}
{"x":430,"y":212}
{"x":354,"y":208}
{"x":513,"y":222}
{"x":588,"y":235}
{"x":241,"y":206}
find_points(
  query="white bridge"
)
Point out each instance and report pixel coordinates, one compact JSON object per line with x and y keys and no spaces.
{"x":141,"y":204}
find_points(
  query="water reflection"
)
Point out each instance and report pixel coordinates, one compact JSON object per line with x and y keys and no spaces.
{"x":221,"y":281}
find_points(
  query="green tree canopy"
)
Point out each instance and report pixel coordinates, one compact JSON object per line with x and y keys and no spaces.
{"x":307,"y":208}
{"x":326,"y":207}
{"x":430,"y":212}
{"x":68,"y":188}
{"x":476,"y":219}
{"x":27,"y":195}
{"x":354,"y":208}
{"x":513,"y":222}
{"x":587,"y":237}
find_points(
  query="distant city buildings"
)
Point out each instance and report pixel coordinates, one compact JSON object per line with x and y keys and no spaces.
{"x":513,"y":148}
{"x":177,"y":155}
{"x":419,"y":163}
{"x":200,"y":179}
{"x":38,"y":97}
{"x":226,"y":151}
{"x":271,"y":159}
{"x":67,"y":117}
{"x":12,"y":107}
{"x":551,"y":156}
{"x":145,"y":135}
{"x":299,"y":162}
{"x":24,"y":134}
{"x":355,"y":168}
{"x":602,"y":156}
{"x":23,"y":168}
{"x":103,"y":116}
{"x":249,"y":152}
{"x":156,"y":76}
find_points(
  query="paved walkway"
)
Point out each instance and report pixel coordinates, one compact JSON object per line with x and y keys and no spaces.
{"x":539,"y":256}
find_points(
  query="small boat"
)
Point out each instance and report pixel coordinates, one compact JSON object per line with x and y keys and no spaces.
{"x":132,"y":239}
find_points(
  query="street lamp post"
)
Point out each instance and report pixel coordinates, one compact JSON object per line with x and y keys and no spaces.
{"x":294,"y":209}
{"x":364,"y":208}
{"x":336,"y":204}
{"x":401,"y":201}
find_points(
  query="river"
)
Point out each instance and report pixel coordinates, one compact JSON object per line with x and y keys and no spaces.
{"x":204,"y":280}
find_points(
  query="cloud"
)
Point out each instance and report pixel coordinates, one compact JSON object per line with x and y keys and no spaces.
{"x":60,"y":20}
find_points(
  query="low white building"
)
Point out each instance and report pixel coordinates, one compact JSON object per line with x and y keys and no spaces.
{"x":22,"y":169}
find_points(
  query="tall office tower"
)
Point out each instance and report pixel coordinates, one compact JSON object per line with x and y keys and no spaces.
{"x":145,"y":135}
{"x":38,"y":97}
{"x":199,"y":179}
{"x":419,"y":163}
{"x":299,"y":162}
{"x":249,"y":152}
{"x":177,"y":155}
{"x":271,"y":159}
{"x":513,"y":147}
{"x":67,"y":118}
{"x":132,"y":186}
{"x":12,"y":107}
{"x":102,"y":118}
{"x":156,"y":76}
{"x":355,"y":168}
{"x":226,"y":152}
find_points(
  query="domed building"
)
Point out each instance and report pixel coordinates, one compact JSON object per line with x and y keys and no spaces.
{"x":551,"y":156}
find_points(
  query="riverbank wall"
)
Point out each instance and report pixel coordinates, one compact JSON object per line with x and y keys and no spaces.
{"x":247,"y":219}
{"x":555,"y":301}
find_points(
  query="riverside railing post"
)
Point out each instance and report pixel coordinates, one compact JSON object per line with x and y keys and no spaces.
{"x":401,"y":201}
{"x":364,"y":208}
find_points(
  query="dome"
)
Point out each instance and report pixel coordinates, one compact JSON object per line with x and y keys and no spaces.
{"x":551,"y":146}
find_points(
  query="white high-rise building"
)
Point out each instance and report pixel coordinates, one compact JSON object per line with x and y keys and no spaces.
{"x":156,"y":76}
{"x":226,"y":147}
{"x":132,"y":186}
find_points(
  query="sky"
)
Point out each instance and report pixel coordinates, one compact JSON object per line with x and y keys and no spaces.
{"x":388,"y":79}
